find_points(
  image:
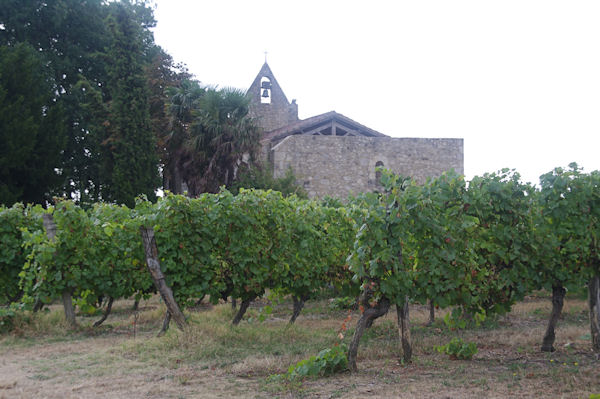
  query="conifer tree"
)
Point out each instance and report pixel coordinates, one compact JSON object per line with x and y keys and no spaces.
{"x":131,"y":163}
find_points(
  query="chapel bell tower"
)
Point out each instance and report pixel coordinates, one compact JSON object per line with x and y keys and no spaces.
{"x":268,"y":103}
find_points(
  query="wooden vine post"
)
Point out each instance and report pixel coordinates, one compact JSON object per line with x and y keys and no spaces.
{"x":159,"y":279}
{"x":67,"y":299}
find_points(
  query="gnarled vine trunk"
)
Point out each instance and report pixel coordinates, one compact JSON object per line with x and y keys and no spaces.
{"x":404,"y":331}
{"x":106,"y":312}
{"x":37,"y":305}
{"x":298,"y":305}
{"x":67,"y":301}
{"x":199,"y":301}
{"x":431,"y":313}
{"x":594,"y":303}
{"x":165,"y":325}
{"x":370,"y":314}
{"x":558,"y":299}
{"x":240,"y":314}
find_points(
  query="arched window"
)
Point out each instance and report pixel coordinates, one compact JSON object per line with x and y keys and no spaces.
{"x":265,"y":90}
{"x":377,"y":171}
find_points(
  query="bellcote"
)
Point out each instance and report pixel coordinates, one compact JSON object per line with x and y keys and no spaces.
{"x":268,"y":103}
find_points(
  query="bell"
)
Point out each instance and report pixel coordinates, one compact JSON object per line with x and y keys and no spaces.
{"x":265,"y":93}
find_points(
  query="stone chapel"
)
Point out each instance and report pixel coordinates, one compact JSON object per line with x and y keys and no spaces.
{"x":333,"y":155}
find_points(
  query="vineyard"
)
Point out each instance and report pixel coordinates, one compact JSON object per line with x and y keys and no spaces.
{"x":466,"y":251}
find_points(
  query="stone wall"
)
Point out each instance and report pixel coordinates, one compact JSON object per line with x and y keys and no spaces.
{"x":274,"y":115}
{"x":339,"y":166}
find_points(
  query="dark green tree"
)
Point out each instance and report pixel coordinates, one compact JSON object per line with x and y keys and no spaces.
{"x":183,"y":105}
{"x":164,"y":75}
{"x":70,"y":36}
{"x":130,"y":161}
{"x":223,"y":137}
{"x":76,"y":40}
{"x":31,"y":128}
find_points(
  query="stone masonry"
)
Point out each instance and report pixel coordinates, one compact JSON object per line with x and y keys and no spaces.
{"x":339,"y":166}
{"x":278,"y":111}
{"x":333,"y":155}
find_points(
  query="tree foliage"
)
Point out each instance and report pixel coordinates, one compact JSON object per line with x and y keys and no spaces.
{"x":223,"y":136}
{"x":182,"y":106}
{"x":98,"y":58}
{"x":131,"y":163}
{"x":31,"y":128}
{"x":211,"y":138}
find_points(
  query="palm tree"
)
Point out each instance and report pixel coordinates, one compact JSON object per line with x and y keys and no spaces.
{"x":183,"y":105}
{"x":223,"y":136}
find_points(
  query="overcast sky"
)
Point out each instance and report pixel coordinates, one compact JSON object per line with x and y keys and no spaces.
{"x":519,"y":81}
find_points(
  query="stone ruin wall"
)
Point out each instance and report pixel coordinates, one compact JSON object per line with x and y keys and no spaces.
{"x":339,"y":166}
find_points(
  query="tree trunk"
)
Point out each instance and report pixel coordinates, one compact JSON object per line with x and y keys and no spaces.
{"x":404,"y":331}
{"x":165,"y":325}
{"x":67,"y":301}
{"x":106,"y":312}
{"x":594,"y":303}
{"x":176,"y":180}
{"x":159,"y":278}
{"x":558,"y":297}
{"x":233,"y":303}
{"x":298,"y":305}
{"x":431,"y":314}
{"x":240,"y":314}
{"x":136,"y":305}
{"x":370,"y":314}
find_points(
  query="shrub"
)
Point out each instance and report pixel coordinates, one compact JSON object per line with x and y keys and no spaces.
{"x":260,"y":176}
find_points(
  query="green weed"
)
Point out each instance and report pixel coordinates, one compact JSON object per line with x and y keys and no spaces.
{"x":458,"y":349}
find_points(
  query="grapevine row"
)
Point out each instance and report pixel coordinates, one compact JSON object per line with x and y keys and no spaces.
{"x":477,"y":247}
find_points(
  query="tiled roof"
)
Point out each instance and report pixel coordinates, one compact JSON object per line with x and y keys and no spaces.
{"x":312,"y":122}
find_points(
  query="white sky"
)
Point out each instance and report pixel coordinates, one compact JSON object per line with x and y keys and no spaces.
{"x":519,"y":80}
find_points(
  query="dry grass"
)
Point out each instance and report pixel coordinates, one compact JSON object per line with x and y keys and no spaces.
{"x":43,"y":358}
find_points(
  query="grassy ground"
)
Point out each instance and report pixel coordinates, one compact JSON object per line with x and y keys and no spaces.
{"x":124,"y":359}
